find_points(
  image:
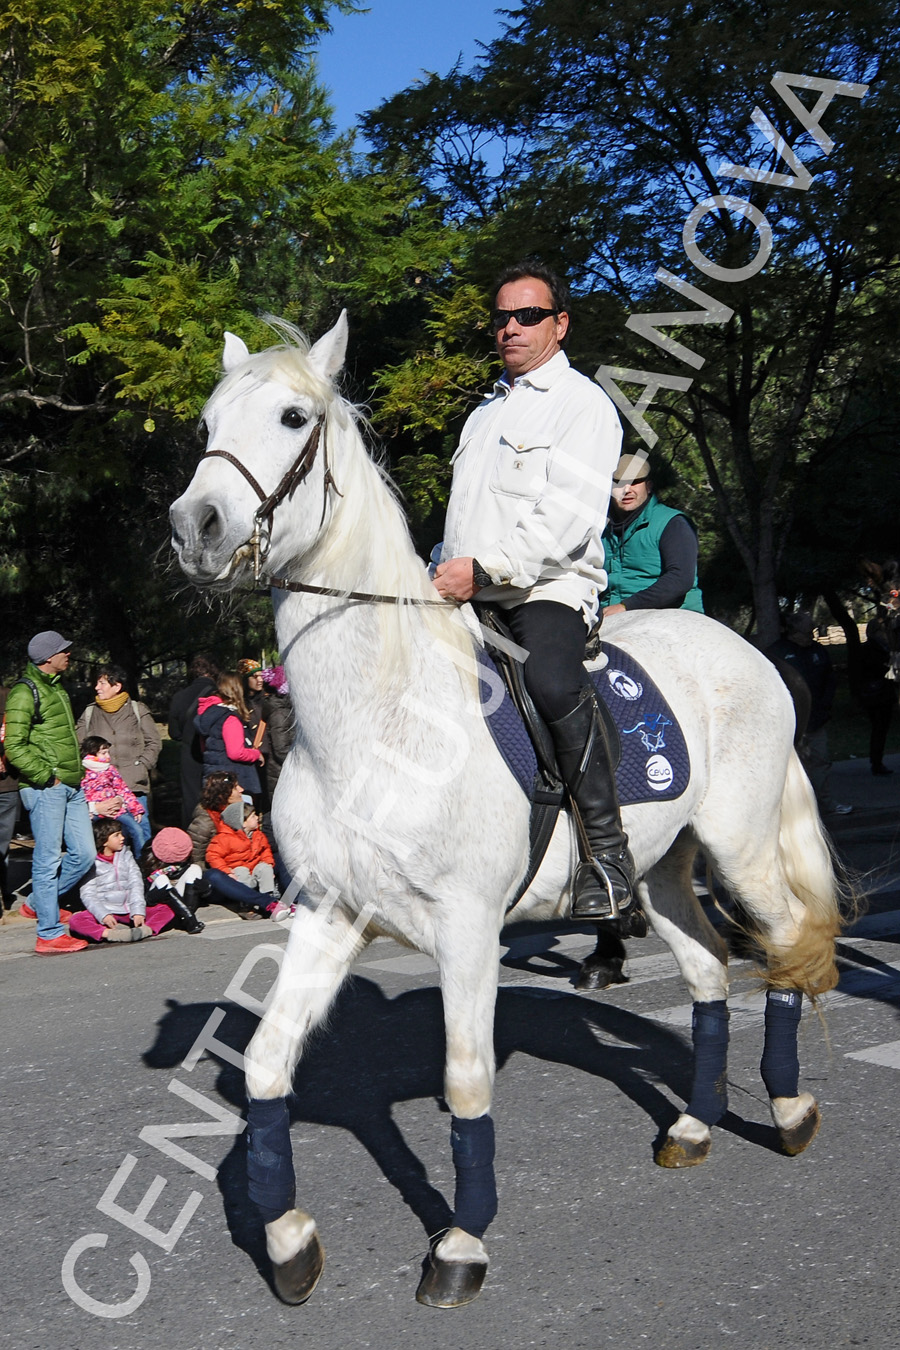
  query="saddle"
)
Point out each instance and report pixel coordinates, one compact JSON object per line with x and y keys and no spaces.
{"x":636,"y":717}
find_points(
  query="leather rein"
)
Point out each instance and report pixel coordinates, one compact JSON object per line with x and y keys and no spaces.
{"x":265,"y":512}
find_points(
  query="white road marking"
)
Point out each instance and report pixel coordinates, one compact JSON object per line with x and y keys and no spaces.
{"x":888,"y":1054}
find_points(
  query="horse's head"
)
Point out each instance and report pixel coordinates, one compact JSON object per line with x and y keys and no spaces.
{"x":261,"y":425}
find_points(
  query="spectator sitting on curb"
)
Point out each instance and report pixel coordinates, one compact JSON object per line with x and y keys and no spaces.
{"x":115,"y":909}
{"x":220,"y":791}
{"x":241,"y":850}
{"x":170,"y":875}
{"x":108,"y":794}
{"x":41,"y":744}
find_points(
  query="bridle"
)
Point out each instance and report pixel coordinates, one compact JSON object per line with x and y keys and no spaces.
{"x":295,"y":475}
{"x":260,"y":541}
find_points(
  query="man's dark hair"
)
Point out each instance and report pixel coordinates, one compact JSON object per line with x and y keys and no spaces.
{"x":115,"y":674}
{"x":203,"y":664}
{"x":531,"y":267}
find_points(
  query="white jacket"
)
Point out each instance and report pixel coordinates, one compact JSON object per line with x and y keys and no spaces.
{"x":117,"y":887}
{"x":531,"y":485}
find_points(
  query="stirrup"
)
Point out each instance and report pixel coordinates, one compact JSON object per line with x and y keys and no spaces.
{"x":624,"y":912}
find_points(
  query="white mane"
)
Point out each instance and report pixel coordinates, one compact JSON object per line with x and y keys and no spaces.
{"x":366,"y":544}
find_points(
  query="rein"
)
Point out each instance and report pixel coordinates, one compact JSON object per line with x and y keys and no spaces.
{"x":282,"y":584}
{"x":285,"y":489}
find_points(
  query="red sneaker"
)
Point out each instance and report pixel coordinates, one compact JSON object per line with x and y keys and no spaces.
{"x":64,"y":914}
{"x":58,"y":946}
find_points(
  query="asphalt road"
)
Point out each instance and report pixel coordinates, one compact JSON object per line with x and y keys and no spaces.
{"x":593,"y":1245}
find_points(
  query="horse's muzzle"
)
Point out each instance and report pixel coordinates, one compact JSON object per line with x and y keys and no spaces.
{"x":208,"y":553}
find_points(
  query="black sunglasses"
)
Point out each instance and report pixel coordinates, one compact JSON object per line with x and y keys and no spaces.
{"x":529,"y":317}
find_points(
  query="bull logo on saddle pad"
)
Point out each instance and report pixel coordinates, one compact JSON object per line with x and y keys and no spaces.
{"x":624,"y":685}
{"x":651,"y":730}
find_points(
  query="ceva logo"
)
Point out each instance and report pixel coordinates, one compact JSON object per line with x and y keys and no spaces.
{"x":659,"y":773}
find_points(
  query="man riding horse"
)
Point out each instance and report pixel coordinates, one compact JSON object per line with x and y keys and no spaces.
{"x":528,"y":505}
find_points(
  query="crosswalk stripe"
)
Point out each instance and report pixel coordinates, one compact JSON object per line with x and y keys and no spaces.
{"x":888,"y":1055}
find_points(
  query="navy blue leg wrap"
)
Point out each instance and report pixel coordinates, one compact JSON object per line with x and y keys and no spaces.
{"x":270,"y":1165}
{"x":780,"y":1063}
{"x":475,"y":1202}
{"x":709,"y":1028}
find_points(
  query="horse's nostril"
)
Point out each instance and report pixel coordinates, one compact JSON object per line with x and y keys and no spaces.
{"x":210,"y":526}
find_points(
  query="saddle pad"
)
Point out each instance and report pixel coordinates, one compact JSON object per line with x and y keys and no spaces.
{"x":655,"y":765}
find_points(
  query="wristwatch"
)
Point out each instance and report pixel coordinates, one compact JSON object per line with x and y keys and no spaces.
{"x":480,"y":577}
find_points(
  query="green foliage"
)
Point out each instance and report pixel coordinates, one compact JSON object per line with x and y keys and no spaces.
{"x":168,"y":171}
{"x":588,"y":133}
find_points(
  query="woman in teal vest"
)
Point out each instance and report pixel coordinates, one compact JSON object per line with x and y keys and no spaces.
{"x":651,"y":549}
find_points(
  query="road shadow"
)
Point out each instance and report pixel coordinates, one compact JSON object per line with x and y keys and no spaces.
{"x":378,"y":1051}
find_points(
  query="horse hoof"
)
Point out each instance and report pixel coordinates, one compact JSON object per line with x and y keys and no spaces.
{"x":682,"y":1152}
{"x":600,"y":976}
{"x":296,"y":1279}
{"x":798,"y":1137}
{"x":450,"y":1284}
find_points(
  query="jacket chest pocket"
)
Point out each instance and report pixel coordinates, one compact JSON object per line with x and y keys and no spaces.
{"x":520,"y":469}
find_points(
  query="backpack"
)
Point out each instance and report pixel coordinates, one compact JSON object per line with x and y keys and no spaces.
{"x":36,"y":720}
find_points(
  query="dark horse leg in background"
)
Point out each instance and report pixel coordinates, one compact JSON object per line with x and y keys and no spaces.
{"x":604,"y":965}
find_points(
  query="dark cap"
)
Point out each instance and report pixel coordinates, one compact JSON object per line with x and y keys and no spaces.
{"x":44,"y":645}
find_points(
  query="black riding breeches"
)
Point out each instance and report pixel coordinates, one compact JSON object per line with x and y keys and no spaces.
{"x":554,"y":637}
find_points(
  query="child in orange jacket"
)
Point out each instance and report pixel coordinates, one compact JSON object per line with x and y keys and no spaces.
{"x":240,"y":848}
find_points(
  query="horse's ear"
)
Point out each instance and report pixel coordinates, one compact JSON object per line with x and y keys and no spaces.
{"x":328,"y":354}
{"x":235,"y":353}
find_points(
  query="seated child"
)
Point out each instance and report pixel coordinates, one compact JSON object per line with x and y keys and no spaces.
{"x":240,"y":849}
{"x":102,"y":782}
{"x":170,"y":875}
{"x":114,"y":906}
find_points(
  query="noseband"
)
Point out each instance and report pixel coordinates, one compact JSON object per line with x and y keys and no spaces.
{"x":295,"y":475}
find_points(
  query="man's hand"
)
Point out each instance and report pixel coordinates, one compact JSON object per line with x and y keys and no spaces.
{"x":111,"y":807}
{"x":614,"y":609}
{"x":454,"y":581}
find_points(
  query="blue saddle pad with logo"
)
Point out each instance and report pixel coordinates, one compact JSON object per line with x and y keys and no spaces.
{"x":655,"y":765}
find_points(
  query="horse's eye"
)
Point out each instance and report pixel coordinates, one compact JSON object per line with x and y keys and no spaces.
{"x":293,"y":418}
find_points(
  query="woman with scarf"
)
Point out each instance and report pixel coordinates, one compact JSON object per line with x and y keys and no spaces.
{"x":129,"y":727}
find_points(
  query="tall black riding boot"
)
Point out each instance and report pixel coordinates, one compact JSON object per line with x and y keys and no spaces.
{"x":603,"y":887}
{"x":184,"y":915}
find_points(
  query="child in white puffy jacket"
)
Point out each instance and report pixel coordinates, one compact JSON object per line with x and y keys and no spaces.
{"x":113,"y":897}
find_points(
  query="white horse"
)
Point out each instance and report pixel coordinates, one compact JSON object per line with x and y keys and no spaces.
{"x":397,"y":815}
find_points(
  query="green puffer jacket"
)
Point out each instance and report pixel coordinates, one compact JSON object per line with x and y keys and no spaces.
{"x":45,"y":750}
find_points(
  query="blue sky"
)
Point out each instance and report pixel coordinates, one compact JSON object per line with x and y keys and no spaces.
{"x":370,"y":56}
